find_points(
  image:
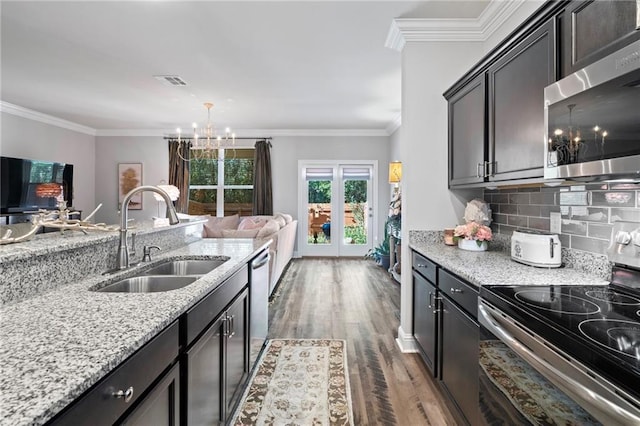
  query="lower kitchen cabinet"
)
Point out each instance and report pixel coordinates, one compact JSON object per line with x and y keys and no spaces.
{"x":216,"y":365}
{"x":447,"y":334}
{"x":460,"y":340}
{"x":161,"y":406}
{"x":425,"y":320}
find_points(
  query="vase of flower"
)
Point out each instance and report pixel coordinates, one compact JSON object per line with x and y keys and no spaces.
{"x":472,"y":236}
{"x":472,"y":245}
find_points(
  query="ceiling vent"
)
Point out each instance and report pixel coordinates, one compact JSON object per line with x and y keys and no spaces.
{"x":172,"y":80}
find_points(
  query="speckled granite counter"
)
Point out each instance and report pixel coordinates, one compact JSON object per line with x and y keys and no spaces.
{"x":496,"y":267}
{"x":52,"y":260}
{"x":57,"y":344}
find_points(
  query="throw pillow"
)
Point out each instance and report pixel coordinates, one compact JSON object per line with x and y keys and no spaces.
{"x":250,"y":223}
{"x":287,"y":217}
{"x":234,"y":233}
{"x":215,"y":224}
{"x":280,"y":220}
{"x":271,"y":227}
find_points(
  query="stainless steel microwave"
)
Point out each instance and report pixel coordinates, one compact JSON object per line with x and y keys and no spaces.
{"x":592,"y":120}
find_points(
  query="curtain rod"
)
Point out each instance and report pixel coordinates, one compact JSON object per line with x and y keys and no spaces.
{"x":214,"y":139}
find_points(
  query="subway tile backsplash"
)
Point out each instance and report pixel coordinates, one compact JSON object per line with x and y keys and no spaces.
{"x":588,"y":211}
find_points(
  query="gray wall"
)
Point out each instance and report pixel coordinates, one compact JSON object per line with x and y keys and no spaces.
{"x":24,"y":138}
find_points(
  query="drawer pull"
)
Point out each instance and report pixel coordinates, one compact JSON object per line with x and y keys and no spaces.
{"x":421,"y":265}
{"x":127,"y":395}
{"x":456,"y":290}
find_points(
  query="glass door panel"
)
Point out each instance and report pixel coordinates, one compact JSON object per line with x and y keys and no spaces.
{"x":319,"y":207}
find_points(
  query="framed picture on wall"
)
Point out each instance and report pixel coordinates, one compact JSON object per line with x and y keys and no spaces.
{"x":129,"y":177}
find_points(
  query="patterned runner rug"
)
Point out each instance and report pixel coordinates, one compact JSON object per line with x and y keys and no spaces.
{"x":298,"y":382}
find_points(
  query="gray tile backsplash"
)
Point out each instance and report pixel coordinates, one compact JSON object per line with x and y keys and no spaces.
{"x":588,"y":211}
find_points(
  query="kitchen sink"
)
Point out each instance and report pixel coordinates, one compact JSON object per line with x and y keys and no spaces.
{"x":186,"y":267}
{"x":149,"y":284}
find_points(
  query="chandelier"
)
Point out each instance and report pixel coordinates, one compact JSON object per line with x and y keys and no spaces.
{"x":206,"y":142}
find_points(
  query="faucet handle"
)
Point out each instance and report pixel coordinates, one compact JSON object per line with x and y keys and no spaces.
{"x":146,"y":252}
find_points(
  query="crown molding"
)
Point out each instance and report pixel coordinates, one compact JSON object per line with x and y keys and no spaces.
{"x":394,"y":125}
{"x":404,"y":30}
{"x":249,"y":133}
{"x":45,"y":118}
{"x":257,"y":133}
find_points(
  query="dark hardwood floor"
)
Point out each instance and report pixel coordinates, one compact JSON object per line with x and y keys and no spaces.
{"x":355,"y":300}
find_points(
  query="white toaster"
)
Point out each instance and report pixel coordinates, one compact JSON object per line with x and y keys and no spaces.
{"x":536,"y":249}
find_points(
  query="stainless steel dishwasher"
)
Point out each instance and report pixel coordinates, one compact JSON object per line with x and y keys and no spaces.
{"x":258,"y":305}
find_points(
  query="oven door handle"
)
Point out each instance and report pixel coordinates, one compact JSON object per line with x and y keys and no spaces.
{"x":592,"y":399}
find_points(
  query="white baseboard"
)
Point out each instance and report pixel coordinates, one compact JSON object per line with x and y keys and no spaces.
{"x":406,"y":342}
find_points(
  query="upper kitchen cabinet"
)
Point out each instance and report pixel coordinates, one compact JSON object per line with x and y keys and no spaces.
{"x":591,"y":30}
{"x":467,"y":133}
{"x":516,"y":85}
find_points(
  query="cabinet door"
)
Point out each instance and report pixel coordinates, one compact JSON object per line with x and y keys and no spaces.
{"x":467,"y":137}
{"x":460,"y":342}
{"x":162,"y":405}
{"x":237,"y":350}
{"x":424,"y":319}
{"x":204,"y":377}
{"x":592,"y":30}
{"x":516,"y":100}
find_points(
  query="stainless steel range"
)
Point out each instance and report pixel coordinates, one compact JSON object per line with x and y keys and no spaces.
{"x":565,"y":354}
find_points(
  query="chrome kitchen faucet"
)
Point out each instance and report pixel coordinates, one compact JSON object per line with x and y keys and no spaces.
{"x":123,"y":249}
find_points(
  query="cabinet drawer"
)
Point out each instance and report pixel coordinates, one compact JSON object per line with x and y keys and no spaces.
{"x":136,"y":374}
{"x":200,"y":316}
{"x":460,"y":292}
{"x":424,"y":267}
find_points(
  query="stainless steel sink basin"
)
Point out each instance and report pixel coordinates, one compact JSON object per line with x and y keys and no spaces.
{"x":148,"y":284}
{"x":185,"y":267}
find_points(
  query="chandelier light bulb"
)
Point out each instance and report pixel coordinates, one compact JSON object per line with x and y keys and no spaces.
{"x":596,"y":129}
{"x":557,"y":132}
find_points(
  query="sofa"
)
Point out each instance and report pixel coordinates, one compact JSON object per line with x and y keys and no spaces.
{"x":281,"y":228}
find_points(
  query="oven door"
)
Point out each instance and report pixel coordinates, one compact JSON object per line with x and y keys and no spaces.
{"x":524,"y":380}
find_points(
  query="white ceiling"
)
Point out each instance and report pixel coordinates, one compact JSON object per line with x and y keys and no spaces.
{"x":264,"y":64}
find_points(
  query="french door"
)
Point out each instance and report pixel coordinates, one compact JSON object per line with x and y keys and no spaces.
{"x":336,"y":209}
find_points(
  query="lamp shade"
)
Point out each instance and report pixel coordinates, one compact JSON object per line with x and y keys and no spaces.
{"x":395,"y":172}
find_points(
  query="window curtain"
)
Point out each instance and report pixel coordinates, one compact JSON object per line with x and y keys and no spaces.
{"x":179,"y":172}
{"x":262,"y":187}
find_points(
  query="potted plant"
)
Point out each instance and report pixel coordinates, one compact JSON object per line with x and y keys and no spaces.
{"x":381,"y":252}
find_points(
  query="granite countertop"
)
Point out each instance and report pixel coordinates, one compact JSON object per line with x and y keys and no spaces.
{"x":44,"y":244}
{"x":495,"y":267}
{"x":58,"y":344}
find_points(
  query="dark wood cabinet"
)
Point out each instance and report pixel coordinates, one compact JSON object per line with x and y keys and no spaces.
{"x":467,"y":135}
{"x":161,"y":406}
{"x":460,"y":342}
{"x":425,"y":324}
{"x":447,"y":333}
{"x":516,"y":85}
{"x":216,"y":365}
{"x":594,"y":29}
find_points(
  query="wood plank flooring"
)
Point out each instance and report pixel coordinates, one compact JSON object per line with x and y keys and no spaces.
{"x":355,"y":300}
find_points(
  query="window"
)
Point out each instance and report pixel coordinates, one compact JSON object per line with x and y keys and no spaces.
{"x":224,"y":185}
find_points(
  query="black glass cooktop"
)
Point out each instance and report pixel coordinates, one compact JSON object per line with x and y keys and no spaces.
{"x":597,"y":325}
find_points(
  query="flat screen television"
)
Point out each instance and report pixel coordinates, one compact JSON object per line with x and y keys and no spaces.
{"x":29,"y":185}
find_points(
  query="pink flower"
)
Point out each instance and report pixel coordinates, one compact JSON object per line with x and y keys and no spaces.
{"x":473,"y":231}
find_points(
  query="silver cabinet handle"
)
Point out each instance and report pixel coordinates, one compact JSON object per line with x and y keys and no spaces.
{"x":478,"y":173}
{"x":126,"y":395}
{"x":232,"y":326}
{"x":430,"y":302}
{"x":456,"y":290}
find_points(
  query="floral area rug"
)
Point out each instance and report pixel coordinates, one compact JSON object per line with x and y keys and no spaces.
{"x":298,"y":382}
{"x":535,"y":397}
